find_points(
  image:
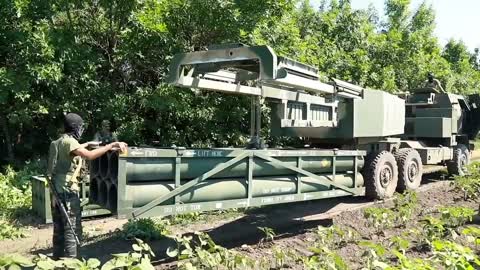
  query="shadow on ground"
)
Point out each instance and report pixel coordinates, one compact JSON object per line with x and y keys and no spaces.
{"x":283,"y":219}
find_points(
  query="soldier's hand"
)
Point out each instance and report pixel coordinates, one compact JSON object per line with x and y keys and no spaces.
{"x":120,"y":146}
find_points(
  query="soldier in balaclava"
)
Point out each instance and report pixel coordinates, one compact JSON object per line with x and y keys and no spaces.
{"x":434,"y":83}
{"x":65,"y":161}
{"x":105,"y":135}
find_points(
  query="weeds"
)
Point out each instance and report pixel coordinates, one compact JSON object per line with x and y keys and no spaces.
{"x":268,"y":234}
{"x":185,"y":218}
{"x":379,"y":218}
{"x":405,"y":205}
{"x":138,"y":259}
{"x":15,"y":199}
{"x":455,"y":216}
{"x":8,"y":230}
{"x":472,"y":234}
{"x":145,"y":228}
{"x":324,"y":258}
{"x":469,"y":184}
{"x":336,"y":237}
{"x":432,"y":229}
{"x":454,"y":256}
{"x":374,"y":255}
{"x":203,"y":253}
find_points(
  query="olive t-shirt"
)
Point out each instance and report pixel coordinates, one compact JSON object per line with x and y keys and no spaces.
{"x":65,"y":163}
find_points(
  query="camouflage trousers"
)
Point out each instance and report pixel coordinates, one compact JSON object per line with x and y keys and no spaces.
{"x":64,"y":244}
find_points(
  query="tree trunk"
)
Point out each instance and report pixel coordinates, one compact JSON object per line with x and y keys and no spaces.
{"x":8,"y":141}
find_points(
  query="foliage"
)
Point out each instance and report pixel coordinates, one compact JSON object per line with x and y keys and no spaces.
{"x":472,"y":234}
{"x":454,"y":216}
{"x":432,"y":229}
{"x":185,"y":218}
{"x":335,"y":236}
{"x":138,"y":259}
{"x":374,"y":255}
{"x":469,"y":184}
{"x":268,"y":233}
{"x":379,"y":218}
{"x":10,"y":230}
{"x":145,"y":228}
{"x":324,"y":258}
{"x":104,"y":58}
{"x":405,"y":263}
{"x":43,"y":262}
{"x":405,"y":205}
{"x":15,"y":198}
{"x":400,"y":244}
{"x":453,"y":256}
{"x":203,"y":253}
{"x":14,"y":261}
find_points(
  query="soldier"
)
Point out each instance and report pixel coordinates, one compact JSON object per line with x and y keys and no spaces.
{"x":105,"y":135}
{"x":432,"y":82}
{"x":65,"y":162}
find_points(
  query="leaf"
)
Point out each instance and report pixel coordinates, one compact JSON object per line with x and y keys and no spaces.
{"x":14,"y":267}
{"x":93,"y":263}
{"x":120,"y":255}
{"x":110,"y":265}
{"x":45,"y":265}
{"x":172,"y":252}
{"x":136,"y":247}
{"x":380,"y":264}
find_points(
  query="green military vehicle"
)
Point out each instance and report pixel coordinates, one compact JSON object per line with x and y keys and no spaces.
{"x":361,"y":141}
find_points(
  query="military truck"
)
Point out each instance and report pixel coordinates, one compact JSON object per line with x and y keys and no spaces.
{"x":360,"y":141}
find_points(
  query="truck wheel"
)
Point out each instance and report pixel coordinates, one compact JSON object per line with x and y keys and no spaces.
{"x":381,"y":175}
{"x":410,"y":169}
{"x":461,"y":158}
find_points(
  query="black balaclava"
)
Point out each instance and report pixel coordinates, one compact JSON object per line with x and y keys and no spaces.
{"x":430,"y":77}
{"x":73,"y":125}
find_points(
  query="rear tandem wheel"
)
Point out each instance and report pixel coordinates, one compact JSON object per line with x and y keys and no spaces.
{"x":461,"y":159}
{"x":410,"y":169}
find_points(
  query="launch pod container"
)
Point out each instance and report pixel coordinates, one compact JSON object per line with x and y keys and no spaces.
{"x":159,"y":182}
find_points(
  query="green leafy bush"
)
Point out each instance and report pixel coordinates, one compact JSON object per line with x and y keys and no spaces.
{"x":454,"y":256}
{"x":10,"y":230}
{"x":138,"y":259}
{"x":145,"y":229}
{"x":268,"y":234}
{"x":324,"y":258}
{"x":454,"y":216}
{"x":15,"y":191}
{"x":15,"y":198}
{"x":469,"y":184}
{"x":432,"y":229}
{"x":336,"y":237}
{"x":405,"y":205}
{"x":201,"y":252}
{"x":379,"y":218}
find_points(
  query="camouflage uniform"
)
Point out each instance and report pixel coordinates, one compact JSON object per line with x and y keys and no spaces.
{"x":64,"y":170}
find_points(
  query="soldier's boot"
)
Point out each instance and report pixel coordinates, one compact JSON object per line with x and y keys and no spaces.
{"x":74,"y":213}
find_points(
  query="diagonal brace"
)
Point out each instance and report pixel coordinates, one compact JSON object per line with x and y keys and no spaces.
{"x":188,"y":185}
{"x":306,"y":173}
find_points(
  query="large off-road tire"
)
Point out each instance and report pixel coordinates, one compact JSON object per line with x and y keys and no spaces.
{"x":410,"y":169}
{"x":381,"y":175}
{"x":461,"y":158}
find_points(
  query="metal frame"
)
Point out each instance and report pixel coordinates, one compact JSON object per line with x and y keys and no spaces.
{"x":154,"y":208}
